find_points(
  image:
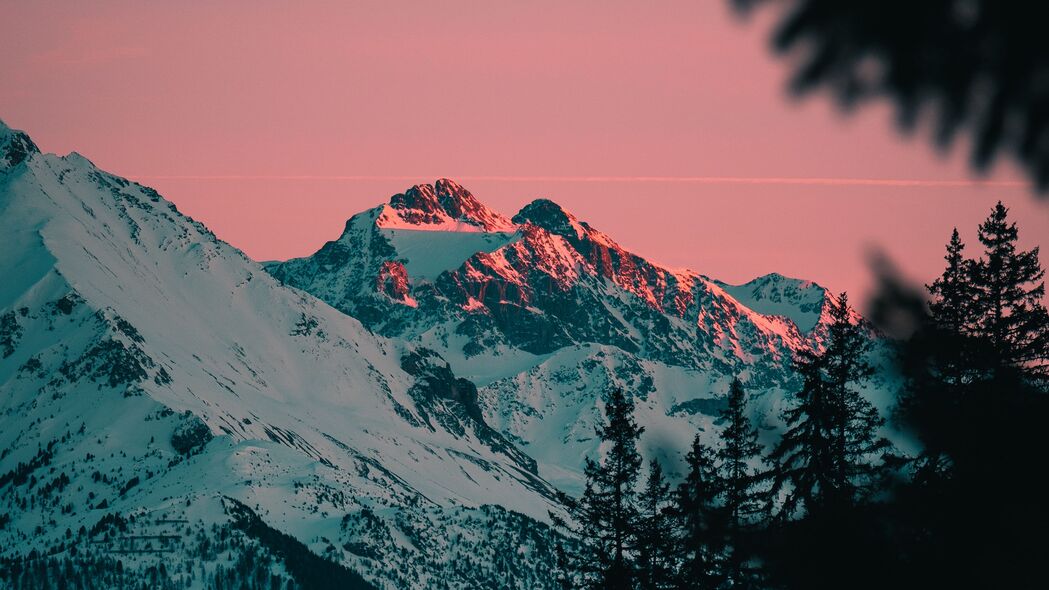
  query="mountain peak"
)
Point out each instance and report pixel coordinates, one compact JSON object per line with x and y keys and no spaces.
{"x":775,"y":277}
{"x":419,"y":200}
{"x":774,"y":294}
{"x":442,"y":206}
{"x":552,"y":217}
{"x":15,"y":146}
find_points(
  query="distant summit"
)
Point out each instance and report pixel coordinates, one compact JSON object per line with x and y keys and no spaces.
{"x":774,"y":294}
{"x":443,"y":205}
{"x":550,"y":216}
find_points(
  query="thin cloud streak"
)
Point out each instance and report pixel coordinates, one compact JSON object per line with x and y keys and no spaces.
{"x":783,"y":181}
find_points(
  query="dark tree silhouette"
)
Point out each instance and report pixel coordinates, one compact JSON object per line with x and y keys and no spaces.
{"x":701,"y":522}
{"x":829,"y":531}
{"x":831,"y":451}
{"x":974,"y":513}
{"x":657,"y":542}
{"x":953,"y":299}
{"x":608,"y":508}
{"x":738,"y":457}
{"x":976,"y":66}
{"x":1009,"y":313}
{"x":952,"y":291}
{"x":859,"y":446}
{"x":803,"y":460}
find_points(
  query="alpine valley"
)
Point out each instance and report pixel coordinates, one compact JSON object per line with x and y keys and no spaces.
{"x":405,"y":408}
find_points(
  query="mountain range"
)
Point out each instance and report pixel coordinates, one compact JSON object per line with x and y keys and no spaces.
{"x":544,"y":313}
{"x":406,"y":406}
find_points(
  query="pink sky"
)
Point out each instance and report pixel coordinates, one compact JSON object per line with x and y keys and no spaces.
{"x":663,"y":124}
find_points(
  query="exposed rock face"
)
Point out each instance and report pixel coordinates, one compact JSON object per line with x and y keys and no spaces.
{"x":550,"y":216}
{"x":557,"y":282}
{"x":190,"y":435}
{"x":15,"y":147}
{"x":419,"y":205}
{"x":393,"y":282}
{"x":438,"y":388}
{"x":665,"y":290}
{"x":460,"y":204}
{"x":443,"y":203}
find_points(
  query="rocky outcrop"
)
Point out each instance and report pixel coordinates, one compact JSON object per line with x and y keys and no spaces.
{"x":393,"y":282}
{"x":15,"y":147}
{"x":445,"y":202}
{"x":436,"y":385}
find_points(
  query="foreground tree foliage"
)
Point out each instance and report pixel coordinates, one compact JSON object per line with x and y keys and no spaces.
{"x":974,"y":514}
{"x":959,"y":68}
{"x":1007,"y":313}
{"x":829,"y":455}
{"x":837,"y":508}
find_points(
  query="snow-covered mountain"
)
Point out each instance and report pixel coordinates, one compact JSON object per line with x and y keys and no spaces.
{"x":545,"y":313}
{"x":397,"y":410}
{"x":166,"y":402}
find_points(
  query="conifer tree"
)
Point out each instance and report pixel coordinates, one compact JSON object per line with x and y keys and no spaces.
{"x":562,"y":565}
{"x":739,"y":451}
{"x":952,"y":291}
{"x":1009,"y":289}
{"x":973,"y":514}
{"x":608,"y":509}
{"x":657,"y":542}
{"x":939,"y":362}
{"x":804,"y":457}
{"x":952,"y":307}
{"x":701,"y":522}
{"x":736,"y":471}
{"x":859,"y":445}
{"x":831,"y":448}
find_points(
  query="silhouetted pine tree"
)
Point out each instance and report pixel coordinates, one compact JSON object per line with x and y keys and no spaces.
{"x":975,"y":514}
{"x":701,"y":522}
{"x":940,"y":360}
{"x":824,"y":470}
{"x":804,"y":458}
{"x":737,"y":455}
{"x":952,"y":316}
{"x":1009,"y":291}
{"x":831,"y":450}
{"x":608,"y":510}
{"x":741,"y":499}
{"x":953,"y":291}
{"x":860,"y":446}
{"x":562,"y":566}
{"x":657,"y":541}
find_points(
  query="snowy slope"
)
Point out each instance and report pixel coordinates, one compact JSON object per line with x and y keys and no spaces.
{"x":149,"y":369}
{"x":553,"y":317}
{"x":427,"y":254}
{"x":774,"y":294}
